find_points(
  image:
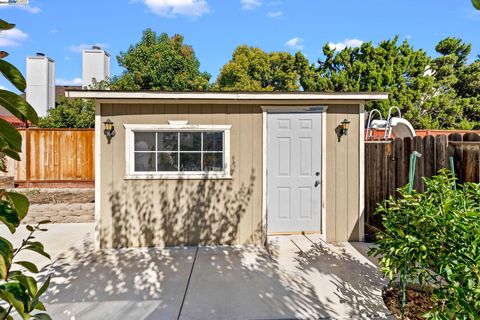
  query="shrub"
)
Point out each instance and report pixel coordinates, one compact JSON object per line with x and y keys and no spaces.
{"x":19,"y":290}
{"x":433,"y":238}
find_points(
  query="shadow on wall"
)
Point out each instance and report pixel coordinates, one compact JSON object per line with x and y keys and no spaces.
{"x":159,"y":213}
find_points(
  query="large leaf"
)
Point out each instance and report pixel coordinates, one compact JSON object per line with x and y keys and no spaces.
{"x":13,"y":294}
{"x":40,"y":306}
{"x":4,"y":25}
{"x":19,"y":202}
{"x":28,"y":265}
{"x":43,"y":288}
{"x":12,"y":154}
{"x":3,"y":268}
{"x":38,"y":248}
{"x":6,"y":254}
{"x":13,"y":75}
{"x":29,"y":283}
{"x":10,"y":135}
{"x":18,"y":106}
{"x":476,"y":4}
{"x":9,"y":216}
{"x":41,"y":316}
{"x":3,"y":54}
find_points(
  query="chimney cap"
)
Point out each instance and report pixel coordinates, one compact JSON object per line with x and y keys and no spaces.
{"x":96,"y":48}
{"x":40,"y":54}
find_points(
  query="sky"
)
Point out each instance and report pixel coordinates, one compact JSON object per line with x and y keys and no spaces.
{"x":61,"y":29}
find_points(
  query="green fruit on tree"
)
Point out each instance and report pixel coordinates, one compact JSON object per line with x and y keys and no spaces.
{"x":476,"y":4}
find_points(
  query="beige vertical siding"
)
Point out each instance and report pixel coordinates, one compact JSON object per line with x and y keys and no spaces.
{"x":342,"y":158}
{"x":139,"y":213}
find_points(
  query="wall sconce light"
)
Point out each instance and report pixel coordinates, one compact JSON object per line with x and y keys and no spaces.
{"x":345,"y":124}
{"x":109,"y":130}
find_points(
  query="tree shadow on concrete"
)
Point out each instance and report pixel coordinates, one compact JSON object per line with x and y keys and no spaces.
{"x":355,"y":282}
{"x":226,"y":282}
{"x":134,"y":279}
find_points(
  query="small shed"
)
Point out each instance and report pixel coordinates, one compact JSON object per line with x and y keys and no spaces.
{"x":224,"y":168}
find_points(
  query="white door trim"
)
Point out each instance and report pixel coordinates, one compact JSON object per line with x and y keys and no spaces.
{"x":316,"y":108}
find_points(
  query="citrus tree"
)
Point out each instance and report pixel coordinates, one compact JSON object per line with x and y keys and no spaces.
{"x":19,"y":290}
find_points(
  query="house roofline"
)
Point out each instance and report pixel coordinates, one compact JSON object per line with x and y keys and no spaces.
{"x":226,"y":96}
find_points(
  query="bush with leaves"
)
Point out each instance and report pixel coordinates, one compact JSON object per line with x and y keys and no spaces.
{"x":18,"y":290}
{"x":70,"y":113}
{"x":437,"y":234}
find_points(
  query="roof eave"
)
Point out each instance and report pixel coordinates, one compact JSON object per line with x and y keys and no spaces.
{"x":224,"y":96}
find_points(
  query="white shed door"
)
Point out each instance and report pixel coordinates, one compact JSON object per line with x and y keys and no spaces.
{"x":293,"y":172}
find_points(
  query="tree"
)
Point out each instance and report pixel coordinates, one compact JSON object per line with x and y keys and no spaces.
{"x":430,"y":92}
{"x":18,"y":290}
{"x":70,"y":113}
{"x":160,"y":63}
{"x":455,"y":103}
{"x":252,"y":69}
{"x":390,"y":67}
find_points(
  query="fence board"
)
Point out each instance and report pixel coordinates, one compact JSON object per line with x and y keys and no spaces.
{"x":441,"y":152}
{"x":387,"y":164}
{"x":55,"y":155}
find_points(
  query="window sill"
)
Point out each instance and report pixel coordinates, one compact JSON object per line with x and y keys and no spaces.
{"x":186,"y":176}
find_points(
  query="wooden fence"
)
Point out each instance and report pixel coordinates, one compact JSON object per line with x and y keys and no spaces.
{"x":53,"y":157}
{"x":386,"y":164}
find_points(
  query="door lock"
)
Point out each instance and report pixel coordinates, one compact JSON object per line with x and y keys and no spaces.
{"x":317,"y":183}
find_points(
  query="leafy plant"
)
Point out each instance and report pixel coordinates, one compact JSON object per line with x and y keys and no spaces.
{"x":18,"y":290}
{"x":70,"y":113}
{"x":160,"y":62}
{"x":441,"y":247}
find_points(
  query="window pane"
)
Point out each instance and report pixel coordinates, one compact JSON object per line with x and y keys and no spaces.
{"x":213,"y":162}
{"x":144,"y":161}
{"x":167,"y":141}
{"x":213,"y":141}
{"x":144,"y":141}
{"x":190,"y":162}
{"x":168,"y":162}
{"x":190,"y":141}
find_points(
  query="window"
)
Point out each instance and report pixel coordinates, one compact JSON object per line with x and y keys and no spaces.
{"x":177,"y":151}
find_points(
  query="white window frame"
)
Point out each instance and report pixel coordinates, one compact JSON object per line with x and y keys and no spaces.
{"x":130,"y":129}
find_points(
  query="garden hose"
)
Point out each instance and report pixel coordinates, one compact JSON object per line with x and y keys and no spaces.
{"x":452,"y":169}
{"x":411,"y":178}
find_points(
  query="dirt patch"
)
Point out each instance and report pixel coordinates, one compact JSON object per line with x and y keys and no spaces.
{"x":39,"y":197}
{"x":418,"y":302}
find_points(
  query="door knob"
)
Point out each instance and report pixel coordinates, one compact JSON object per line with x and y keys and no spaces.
{"x":317,"y":183}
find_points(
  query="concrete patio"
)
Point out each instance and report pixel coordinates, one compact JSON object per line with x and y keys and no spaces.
{"x":299,"y":277}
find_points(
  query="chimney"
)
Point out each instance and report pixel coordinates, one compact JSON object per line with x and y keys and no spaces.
{"x":95,"y":65}
{"x":40,"y":90}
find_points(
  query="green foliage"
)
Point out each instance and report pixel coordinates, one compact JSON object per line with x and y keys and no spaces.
{"x":18,"y":291}
{"x":476,"y":4}
{"x":70,"y":113}
{"x":436,"y":232}
{"x":252,"y":69}
{"x":440,"y":93}
{"x":390,"y":67}
{"x":160,"y":63}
